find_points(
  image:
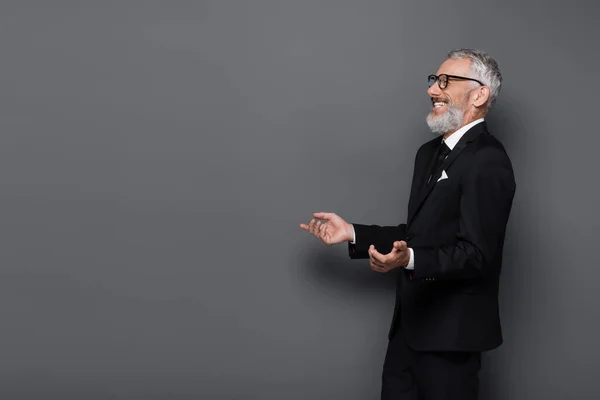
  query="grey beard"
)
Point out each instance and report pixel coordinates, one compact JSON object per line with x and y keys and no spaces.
{"x":450,"y":121}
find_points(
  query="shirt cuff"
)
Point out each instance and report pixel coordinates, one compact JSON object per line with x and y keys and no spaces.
{"x":411,"y":262}
{"x":353,"y":236}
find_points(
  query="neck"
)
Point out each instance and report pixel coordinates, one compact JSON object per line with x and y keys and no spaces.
{"x":466,"y":121}
{"x":448,"y":134}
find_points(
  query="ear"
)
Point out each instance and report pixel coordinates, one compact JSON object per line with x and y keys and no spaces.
{"x":481,"y":96}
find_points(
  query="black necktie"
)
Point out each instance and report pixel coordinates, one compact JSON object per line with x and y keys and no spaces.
{"x":443,"y":151}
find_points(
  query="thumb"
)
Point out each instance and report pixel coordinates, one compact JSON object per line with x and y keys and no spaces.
{"x":323,"y":215}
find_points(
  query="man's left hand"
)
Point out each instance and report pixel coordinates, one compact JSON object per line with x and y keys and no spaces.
{"x":398,"y":257}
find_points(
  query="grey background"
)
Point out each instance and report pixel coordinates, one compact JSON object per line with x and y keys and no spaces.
{"x":158,"y":157}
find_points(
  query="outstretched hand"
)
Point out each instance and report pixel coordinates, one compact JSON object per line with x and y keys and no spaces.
{"x":398,"y":257}
{"x":333,"y":231}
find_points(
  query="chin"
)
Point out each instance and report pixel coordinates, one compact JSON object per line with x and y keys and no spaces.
{"x":448,"y":121}
{"x":435,"y":125}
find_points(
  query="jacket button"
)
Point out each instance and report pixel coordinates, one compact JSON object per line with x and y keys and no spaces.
{"x":409,"y":238}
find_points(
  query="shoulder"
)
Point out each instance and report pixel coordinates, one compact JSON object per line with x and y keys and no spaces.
{"x":489,"y":160}
{"x":429,"y":146}
{"x":488,"y":150}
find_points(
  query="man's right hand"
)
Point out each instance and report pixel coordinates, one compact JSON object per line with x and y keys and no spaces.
{"x":335,"y":230}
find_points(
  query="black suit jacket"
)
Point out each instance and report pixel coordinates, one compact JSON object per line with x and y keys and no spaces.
{"x":456,"y":228}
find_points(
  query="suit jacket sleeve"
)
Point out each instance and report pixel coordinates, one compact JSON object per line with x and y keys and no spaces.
{"x":487,"y":193}
{"x":382,"y":237}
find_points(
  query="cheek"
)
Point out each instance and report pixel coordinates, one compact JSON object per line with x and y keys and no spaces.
{"x":470,"y":98}
{"x":450,"y":96}
{"x":460,"y":99}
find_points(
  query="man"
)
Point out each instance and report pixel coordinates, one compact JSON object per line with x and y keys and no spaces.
{"x":448,"y":255}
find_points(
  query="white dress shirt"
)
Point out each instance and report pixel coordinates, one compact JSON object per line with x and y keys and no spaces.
{"x":451,"y":141}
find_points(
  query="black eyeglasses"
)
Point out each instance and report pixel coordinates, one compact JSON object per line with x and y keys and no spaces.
{"x":443,"y":80}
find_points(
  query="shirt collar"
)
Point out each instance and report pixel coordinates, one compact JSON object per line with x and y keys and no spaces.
{"x":455,"y":137}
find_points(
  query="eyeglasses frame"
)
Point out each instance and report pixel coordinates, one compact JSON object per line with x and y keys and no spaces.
{"x":439,"y":81}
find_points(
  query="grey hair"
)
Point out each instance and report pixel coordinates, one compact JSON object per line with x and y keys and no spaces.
{"x":485,"y":69}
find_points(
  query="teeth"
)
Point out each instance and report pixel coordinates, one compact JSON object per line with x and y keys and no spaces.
{"x":438,"y":104}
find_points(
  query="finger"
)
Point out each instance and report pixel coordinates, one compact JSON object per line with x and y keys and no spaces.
{"x":399,"y":245}
{"x":378,"y":256}
{"x":317,"y":228}
{"x":377,"y":268}
{"x":306,"y":227}
{"x":376,"y":262}
{"x":322,"y":230}
{"x":311,"y":226}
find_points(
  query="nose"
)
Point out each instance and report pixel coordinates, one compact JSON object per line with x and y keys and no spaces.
{"x":434,"y":90}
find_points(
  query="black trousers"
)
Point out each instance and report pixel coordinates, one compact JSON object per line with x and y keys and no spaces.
{"x":411,"y":375}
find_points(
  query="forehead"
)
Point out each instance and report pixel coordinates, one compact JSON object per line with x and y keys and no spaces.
{"x":460,"y":67}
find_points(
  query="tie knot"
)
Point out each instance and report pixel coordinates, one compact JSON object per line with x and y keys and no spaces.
{"x":444,"y":149}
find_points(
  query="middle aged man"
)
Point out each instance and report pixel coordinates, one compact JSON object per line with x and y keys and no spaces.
{"x":448,"y":255}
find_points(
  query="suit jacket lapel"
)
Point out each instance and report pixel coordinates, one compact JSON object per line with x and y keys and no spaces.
{"x":424,"y":189}
{"x":421,"y":179}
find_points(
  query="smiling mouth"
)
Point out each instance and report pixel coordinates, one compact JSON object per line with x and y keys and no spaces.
{"x":438,"y":105}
